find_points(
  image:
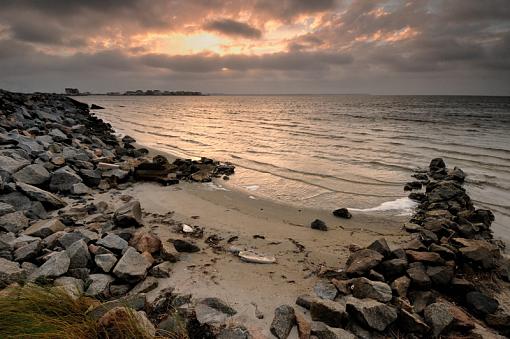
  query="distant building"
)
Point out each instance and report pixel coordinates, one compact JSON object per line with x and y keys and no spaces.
{"x":72,"y":91}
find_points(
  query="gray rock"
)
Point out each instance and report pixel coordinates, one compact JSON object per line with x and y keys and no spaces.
{"x":185,"y":246}
{"x":136,"y":302}
{"x":381,"y":246}
{"x":28,"y":252}
{"x":365,"y":288}
{"x":213,"y":311}
{"x":74,"y":287}
{"x":55,"y":266}
{"x":63,"y":179}
{"x":10,"y":272}
{"x":57,"y":135}
{"x":393,"y":268}
{"x":105,"y":261}
{"x":113,"y":242}
{"x":79,"y":254}
{"x":44,"y":228}
{"x":99,"y":285}
{"x":328,"y":311}
{"x":325,"y":290}
{"x":418,"y":275}
{"x":132,"y":266}
{"x":129,"y":214}
{"x":162,"y":270}
{"x":305,"y":301}
{"x":18,"y":200}
{"x":371,"y":313}
{"x":438,"y":316}
{"x":6,"y":208}
{"x":12,"y":164}
{"x":13,"y":222}
{"x":412,"y":323}
{"x":400,"y":286}
{"x":319,"y":225}
{"x":80,"y":189}
{"x":323,"y":331}
{"x":283,"y":321}
{"x":69,"y":238}
{"x":144,"y":286}
{"x":48,"y":199}
{"x":362,"y":261}
{"x":34,"y":174}
{"x":440,"y":275}
{"x":91,"y":178}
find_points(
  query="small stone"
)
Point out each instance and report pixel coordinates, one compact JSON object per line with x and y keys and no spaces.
{"x":185,"y":246}
{"x":162,"y":270}
{"x":342,"y":213}
{"x":283,"y":321}
{"x":129,"y":214}
{"x":80,"y":189}
{"x":319,"y":225}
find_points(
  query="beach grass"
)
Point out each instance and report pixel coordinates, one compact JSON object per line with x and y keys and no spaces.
{"x":34,"y":311}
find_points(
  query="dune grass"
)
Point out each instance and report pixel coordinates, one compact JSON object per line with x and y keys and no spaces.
{"x":34,"y":311}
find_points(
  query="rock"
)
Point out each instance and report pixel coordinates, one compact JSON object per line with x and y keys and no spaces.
{"x":13,"y":222}
{"x":283,"y":321}
{"x":304,"y":301}
{"x":393,"y":268}
{"x":58,"y":135}
{"x":213,"y":311}
{"x":185,"y":246}
{"x":28,"y":252}
{"x":401,"y":285}
{"x":78,"y":254}
{"x":419,"y":277}
{"x":94,"y":106}
{"x":128,"y":140}
{"x":304,"y":326}
{"x":48,"y":199}
{"x":456,"y":174}
{"x":325,"y":290}
{"x":438,"y":316}
{"x":342,"y":213}
{"x":162,"y":270}
{"x":65,"y":239}
{"x":118,"y":315}
{"x":328,"y":311}
{"x":322,"y":331}
{"x":12,"y":164}
{"x":105,"y":261}
{"x":412,"y":323}
{"x":444,"y":191}
{"x":44,"y":228}
{"x":10,"y":272}
{"x":443,"y":251}
{"x":144,"y":241}
{"x":91,"y":178}
{"x":319,"y":225}
{"x":144,"y":286}
{"x":421,"y":299}
{"x":481,"y":252}
{"x":132,"y":266}
{"x":381,"y":246}
{"x":376,"y":276}
{"x":371,"y":313}
{"x":481,"y":304}
{"x":365,"y":288}
{"x":74,"y":287}
{"x":6,"y":208}
{"x":168,"y":252}
{"x":55,"y":266}
{"x":80,"y":189}
{"x":129,"y":214}
{"x":362,"y":261}
{"x":437,"y":164}
{"x":99,"y":285}
{"x":113,"y":242}
{"x":425,"y":257}
{"x":136,"y":302}
{"x":440,"y":275}
{"x":413,"y":185}
{"x":63,"y":179}
{"x":34,"y":174}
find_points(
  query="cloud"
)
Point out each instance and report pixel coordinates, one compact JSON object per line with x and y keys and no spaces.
{"x":233,"y":28}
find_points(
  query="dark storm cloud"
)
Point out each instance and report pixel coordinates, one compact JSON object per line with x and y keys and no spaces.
{"x":233,"y":28}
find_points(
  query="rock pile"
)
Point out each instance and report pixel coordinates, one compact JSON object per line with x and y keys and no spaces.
{"x":441,"y":283}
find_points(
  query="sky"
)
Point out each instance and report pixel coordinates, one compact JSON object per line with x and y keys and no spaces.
{"x":257,"y":46}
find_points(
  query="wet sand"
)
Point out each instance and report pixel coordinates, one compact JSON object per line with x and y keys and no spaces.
{"x":278,"y":229}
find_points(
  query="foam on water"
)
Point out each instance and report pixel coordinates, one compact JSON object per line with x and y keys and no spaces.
{"x":402,"y":206}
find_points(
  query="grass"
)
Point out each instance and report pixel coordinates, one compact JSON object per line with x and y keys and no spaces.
{"x":34,"y":311}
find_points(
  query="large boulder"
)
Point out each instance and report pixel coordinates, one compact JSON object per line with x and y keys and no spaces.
{"x":371,"y":313}
{"x":13,"y":222}
{"x":283,"y":321}
{"x":132,"y":266}
{"x":362,"y":261}
{"x":10,"y":272}
{"x":63,"y":179}
{"x":129,"y":214}
{"x":48,"y":199}
{"x":44,"y":228}
{"x":54,"y":267}
{"x":378,"y":290}
{"x":35,"y":174}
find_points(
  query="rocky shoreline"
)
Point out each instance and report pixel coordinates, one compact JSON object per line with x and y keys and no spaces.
{"x":55,"y":156}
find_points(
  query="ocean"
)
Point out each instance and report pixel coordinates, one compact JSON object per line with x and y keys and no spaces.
{"x":331,"y":151}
